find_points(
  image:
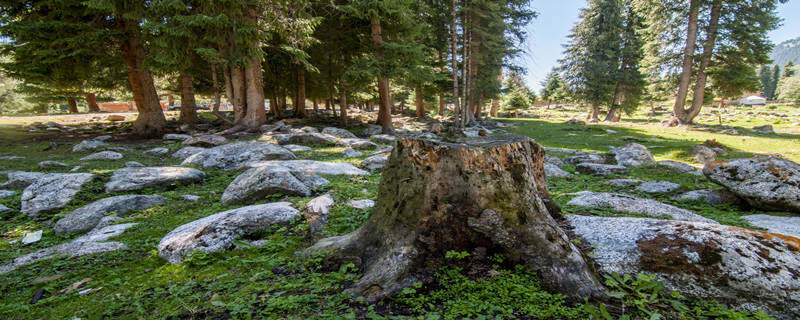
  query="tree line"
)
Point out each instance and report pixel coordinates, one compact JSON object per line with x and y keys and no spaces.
{"x":345,"y":52}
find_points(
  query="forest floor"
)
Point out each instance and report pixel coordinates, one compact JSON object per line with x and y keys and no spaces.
{"x":271,"y":281}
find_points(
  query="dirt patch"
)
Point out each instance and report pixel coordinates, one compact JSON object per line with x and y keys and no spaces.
{"x":667,"y":253}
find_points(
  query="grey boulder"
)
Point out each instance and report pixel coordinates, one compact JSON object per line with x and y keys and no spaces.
{"x":87,"y":217}
{"x":87,"y":145}
{"x":296,"y":148}
{"x":176,"y":137}
{"x":553,"y":171}
{"x":186,"y":152}
{"x":6,"y":193}
{"x":339,"y":133}
{"x":301,"y":138}
{"x":128,"y":179}
{"x":766,"y":183}
{"x":789,"y":226}
{"x":632,"y":154}
{"x":93,"y":242}
{"x":742,"y":268}
{"x":311,"y":166}
{"x":52,"y":164}
{"x":217,"y":232}
{"x":600,"y":169}
{"x":383,"y":139}
{"x":160,"y":151}
{"x":374,"y":162}
{"x":586,"y":158}
{"x":713,"y":197}
{"x":623,"y":182}
{"x":658,"y":187}
{"x":351,"y":153}
{"x":52,"y":192}
{"x":208,"y":140}
{"x":103,"y":155}
{"x":255,"y":183}
{"x":22,"y":179}
{"x":356,"y":143}
{"x":680,"y":167}
{"x":631,"y":204}
{"x":236,"y":155}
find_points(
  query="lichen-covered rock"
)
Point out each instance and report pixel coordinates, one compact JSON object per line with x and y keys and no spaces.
{"x":208,"y":140}
{"x":103,"y":155}
{"x":339,"y":133}
{"x":351,"y":153}
{"x":553,"y":171}
{"x":22,"y":179}
{"x":176,"y":137}
{"x":296,"y":148}
{"x":317,"y":167}
{"x":217,"y":232}
{"x":600,"y":169}
{"x":154,"y":152}
{"x":632,"y":154}
{"x":680,"y":167}
{"x":764,"y":182}
{"x":91,"y":243}
{"x":586,"y":158}
{"x":236,"y":155}
{"x":383,"y":138}
{"x":361,"y":204}
{"x":658,"y":187}
{"x":52,"y":192}
{"x":556,"y":161}
{"x":623,"y":182}
{"x":87,"y":217}
{"x":375,"y":162}
{"x":713,"y":197}
{"x":134,"y":164}
{"x":4,"y":208}
{"x":186,"y":152}
{"x":745,"y":269}
{"x":87,"y":145}
{"x":703,"y":154}
{"x":789,"y":226}
{"x":302,"y":138}
{"x":631,"y":204}
{"x":6,"y":193}
{"x":256,"y":183}
{"x":128,"y":179}
{"x":356,"y":143}
{"x":52,"y":164}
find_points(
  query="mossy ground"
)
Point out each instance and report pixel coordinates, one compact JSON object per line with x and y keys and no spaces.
{"x":272,"y":281}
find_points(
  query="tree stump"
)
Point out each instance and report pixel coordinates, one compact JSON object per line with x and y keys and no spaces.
{"x":437,"y":196}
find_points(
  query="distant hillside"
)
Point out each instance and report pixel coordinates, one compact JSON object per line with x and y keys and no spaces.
{"x":787,"y":50}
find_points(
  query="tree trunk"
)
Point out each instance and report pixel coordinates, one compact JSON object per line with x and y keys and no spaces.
{"x":343,"y":107}
{"x":91,"y":102}
{"x":151,"y":121}
{"x":495,"y":107}
{"x":217,"y":97}
{"x":434,"y":197}
{"x":188,"y":104}
{"x":708,"y":51}
{"x":300,"y":97}
{"x":73,"y":105}
{"x":255,"y":114}
{"x":688,"y":52}
{"x":454,"y":62}
{"x":594,"y":115}
{"x":384,"y":109}
{"x":441,"y":105}
{"x":419,"y":102}
{"x":316,"y":105}
{"x":238,"y":99}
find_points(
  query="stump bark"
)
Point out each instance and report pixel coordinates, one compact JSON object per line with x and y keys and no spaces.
{"x":478,"y":193}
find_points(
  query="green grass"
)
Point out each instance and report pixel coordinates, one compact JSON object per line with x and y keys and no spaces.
{"x":272,"y":281}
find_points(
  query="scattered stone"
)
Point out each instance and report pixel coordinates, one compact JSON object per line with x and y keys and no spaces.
{"x":742,"y":268}
{"x":732,"y":132}
{"x":575,"y":122}
{"x":176,"y":137}
{"x":3,"y":208}
{"x":623,"y":182}
{"x":133,"y":164}
{"x":256,"y":183}
{"x":11,"y":158}
{"x":107,"y":221}
{"x":562,"y":150}
{"x":76,"y":169}
{"x":632,"y":154}
{"x":309,"y":129}
{"x":766,"y":183}
{"x":52,"y":192}
{"x":296,"y":148}
{"x":556,"y":161}
{"x":277,"y":126}
{"x":789,"y":226}
{"x":713,"y":197}
{"x":120,"y":149}
{"x":208,"y":140}
{"x":339,"y":133}
{"x":658,"y":187}
{"x":553,"y":171}
{"x":32,"y":237}
{"x":103,"y":155}
{"x":237,"y":155}
{"x":631,"y":204}
{"x":383,"y":139}
{"x":316,"y":212}
{"x":600,"y":169}
{"x":128,"y":179}
{"x":586,"y":158}
{"x":351,"y":153}
{"x":303,"y":138}
{"x":6,"y":193}
{"x":91,"y":243}
{"x":186,"y":152}
{"x":765,"y":129}
{"x":87,"y":145}
{"x":372,"y":129}
{"x":52,"y":164}
{"x":217,"y":232}
{"x":680,"y":167}
{"x":703,"y":154}
{"x":191,"y":198}
{"x":86,"y":218}
{"x":317,"y":167}
{"x":361,"y":204}
{"x":357,"y":143}
{"x":103,"y":138}
{"x":375,"y":162}
{"x":155,"y":152}
{"x":22,"y":179}
{"x":384,"y":149}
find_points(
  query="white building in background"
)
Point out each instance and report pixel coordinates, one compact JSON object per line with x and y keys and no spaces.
{"x":753,"y":101}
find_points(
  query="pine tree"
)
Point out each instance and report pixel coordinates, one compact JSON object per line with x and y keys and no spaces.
{"x":765,"y":80}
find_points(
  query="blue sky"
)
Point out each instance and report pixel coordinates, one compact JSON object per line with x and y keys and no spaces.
{"x":548,"y":32}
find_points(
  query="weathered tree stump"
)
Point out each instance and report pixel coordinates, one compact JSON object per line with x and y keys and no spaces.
{"x":435,"y":197}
